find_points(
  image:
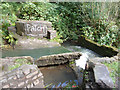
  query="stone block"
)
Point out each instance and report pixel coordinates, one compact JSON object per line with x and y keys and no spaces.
{"x":21,"y":84}
{"x":31,"y":74}
{"x":31,"y":85}
{"x":9,"y":78}
{"x":35,"y":77}
{"x":26,"y":71}
{"x":36,"y":82}
{"x":15,"y":77}
{"x":3,"y":80}
{"x":28,"y":86}
{"x":33,"y":28}
{"x":40,"y":74}
{"x":20,"y":76}
{"x":51,"y":34}
{"x":6,"y":86}
{"x":57,"y":58}
{"x":102,"y":77}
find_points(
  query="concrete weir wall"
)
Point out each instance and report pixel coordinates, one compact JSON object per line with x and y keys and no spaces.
{"x":26,"y":76}
{"x":57,"y":59}
{"x":103,"y":50}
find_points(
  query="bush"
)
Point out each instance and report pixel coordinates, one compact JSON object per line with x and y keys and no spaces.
{"x":96,"y":21}
{"x":8,"y":19}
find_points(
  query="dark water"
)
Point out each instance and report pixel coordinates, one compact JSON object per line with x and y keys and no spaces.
{"x":57,"y":74}
{"x":35,"y":53}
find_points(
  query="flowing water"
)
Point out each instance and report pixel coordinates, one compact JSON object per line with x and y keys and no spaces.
{"x":86,"y":55}
{"x":57,"y":74}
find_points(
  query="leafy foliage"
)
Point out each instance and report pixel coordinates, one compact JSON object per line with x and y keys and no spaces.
{"x":8,"y":19}
{"x":113,"y":69}
{"x":96,"y":21}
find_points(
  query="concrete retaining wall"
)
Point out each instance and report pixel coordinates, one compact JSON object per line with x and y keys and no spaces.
{"x":103,"y":50}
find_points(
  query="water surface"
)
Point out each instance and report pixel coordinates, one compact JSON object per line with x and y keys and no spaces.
{"x":35,"y":53}
{"x":57,"y":74}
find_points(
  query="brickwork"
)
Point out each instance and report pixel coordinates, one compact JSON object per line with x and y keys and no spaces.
{"x":26,"y":76}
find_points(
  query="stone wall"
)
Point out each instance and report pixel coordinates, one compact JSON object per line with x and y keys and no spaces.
{"x":26,"y":76}
{"x":103,"y":50}
{"x":57,"y":59}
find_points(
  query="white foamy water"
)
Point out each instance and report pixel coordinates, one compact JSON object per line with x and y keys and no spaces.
{"x":86,"y":55}
{"x":89,"y":53}
{"x":81,"y":63}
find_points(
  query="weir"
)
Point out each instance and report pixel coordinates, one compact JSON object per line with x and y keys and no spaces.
{"x":50,"y":67}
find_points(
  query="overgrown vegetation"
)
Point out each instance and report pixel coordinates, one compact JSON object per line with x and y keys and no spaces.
{"x":18,"y":63}
{"x":96,"y":21}
{"x":113,"y":69}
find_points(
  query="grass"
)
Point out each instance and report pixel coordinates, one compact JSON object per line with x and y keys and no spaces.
{"x":113,"y":69}
{"x":18,"y":63}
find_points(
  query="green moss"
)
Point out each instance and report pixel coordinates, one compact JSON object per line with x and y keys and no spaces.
{"x":92,"y":42}
{"x":72,"y":62}
{"x":18,"y":63}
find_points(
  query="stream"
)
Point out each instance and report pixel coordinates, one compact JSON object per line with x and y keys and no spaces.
{"x":54,"y":75}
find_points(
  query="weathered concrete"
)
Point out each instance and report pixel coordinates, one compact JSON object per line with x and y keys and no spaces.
{"x":39,"y":29}
{"x":51,"y":34}
{"x":103,"y":50}
{"x":33,"y":28}
{"x":102,"y":77}
{"x":33,"y":43}
{"x":104,"y":59}
{"x":57,"y":59}
{"x":10,"y":61}
{"x":26,"y":76}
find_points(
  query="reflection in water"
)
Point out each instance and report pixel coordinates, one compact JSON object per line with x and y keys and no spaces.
{"x":57,"y":74}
